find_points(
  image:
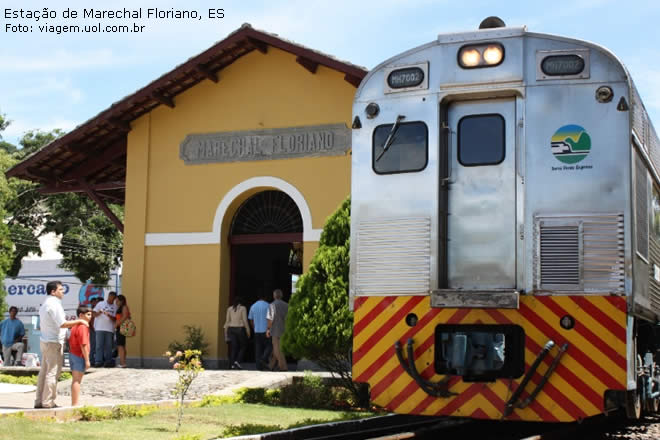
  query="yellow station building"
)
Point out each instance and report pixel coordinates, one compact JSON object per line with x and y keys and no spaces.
{"x":227,"y":166}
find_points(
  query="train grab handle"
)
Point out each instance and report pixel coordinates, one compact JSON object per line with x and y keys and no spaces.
{"x":435,"y":389}
{"x":516,"y":394}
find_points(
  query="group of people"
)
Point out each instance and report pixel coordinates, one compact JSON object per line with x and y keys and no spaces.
{"x":266,"y":321}
{"x":90,"y":341}
{"x":96,"y":332}
{"x":107,"y":317}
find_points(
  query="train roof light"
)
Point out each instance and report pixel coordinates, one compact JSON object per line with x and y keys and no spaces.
{"x":492,"y":22}
{"x":482,"y":55}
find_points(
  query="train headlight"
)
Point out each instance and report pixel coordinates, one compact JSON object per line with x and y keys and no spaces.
{"x":482,"y":55}
{"x":470,"y":58}
{"x":493,"y":54}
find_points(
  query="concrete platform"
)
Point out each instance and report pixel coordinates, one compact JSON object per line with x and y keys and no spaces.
{"x":122,"y":386}
{"x":16,"y":388}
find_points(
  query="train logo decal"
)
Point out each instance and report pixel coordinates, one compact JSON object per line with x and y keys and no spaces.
{"x":570,"y":144}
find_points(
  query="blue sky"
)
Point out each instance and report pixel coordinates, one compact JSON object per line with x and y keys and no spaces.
{"x":59,"y":81}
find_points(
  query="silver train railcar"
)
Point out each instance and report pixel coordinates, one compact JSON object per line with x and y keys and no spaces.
{"x":505,"y":230}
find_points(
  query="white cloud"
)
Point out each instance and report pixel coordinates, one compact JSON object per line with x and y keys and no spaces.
{"x":17,"y":128}
{"x":60,"y":60}
{"x":42,"y":87}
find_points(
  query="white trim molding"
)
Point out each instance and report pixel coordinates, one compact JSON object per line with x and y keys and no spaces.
{"x":213,"y":237}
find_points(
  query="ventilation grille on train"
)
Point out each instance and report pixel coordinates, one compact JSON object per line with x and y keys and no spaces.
{"x":560,"y":255}
{"x":394,"y":256}
{"x":654,"y":277}
{"x":580,"y":253}
{"x":642,"y":208}
{"x":640,"y":119}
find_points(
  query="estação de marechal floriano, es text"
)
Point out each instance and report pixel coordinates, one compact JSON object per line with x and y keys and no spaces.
{"x":136,"y":14}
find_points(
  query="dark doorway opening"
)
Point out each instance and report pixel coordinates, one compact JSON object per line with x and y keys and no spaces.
{"x":261,"y":268}
{"x":266,"y":249}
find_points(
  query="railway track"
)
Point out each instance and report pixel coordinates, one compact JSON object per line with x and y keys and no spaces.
{"x":389,"y":426}
{"x":399,"y":427}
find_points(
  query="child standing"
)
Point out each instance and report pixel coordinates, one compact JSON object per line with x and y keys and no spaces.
{"x":79,"y":352}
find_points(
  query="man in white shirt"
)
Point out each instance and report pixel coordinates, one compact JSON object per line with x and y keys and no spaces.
{"x":53,"y":326}
{"x":104,"y":326}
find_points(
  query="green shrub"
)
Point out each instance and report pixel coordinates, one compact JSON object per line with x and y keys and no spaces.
{"x":319,"y":324}
{"x":306,"y":422}
{"x":16,"y":415}
{"x":273,"y":397}
{"x":18,"y":380}
{"x":28,"y":380}
{"x":195,"y":340}
{"x":310,"y":392}
{"x":212,"y":400}
{"x":251,"y":395}
{"x":248,"y":429}
{"x":189,"y":437}
{"x":93,"y":414}
{"x":126,"y":411}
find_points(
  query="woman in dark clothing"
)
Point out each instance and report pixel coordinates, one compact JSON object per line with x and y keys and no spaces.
{"x":123,"y":313}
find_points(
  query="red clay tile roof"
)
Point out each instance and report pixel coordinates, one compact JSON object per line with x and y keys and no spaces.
{"x":93,"y":155}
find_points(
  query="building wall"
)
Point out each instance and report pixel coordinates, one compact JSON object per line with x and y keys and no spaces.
{"x":169,"y":286}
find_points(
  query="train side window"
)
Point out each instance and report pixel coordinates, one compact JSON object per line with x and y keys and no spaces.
{"x":655,"y":214}
{"x":407,"y":152}
{"x":481,"y":140}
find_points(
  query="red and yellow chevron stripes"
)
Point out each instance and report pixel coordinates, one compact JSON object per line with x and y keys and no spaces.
{"x":594,"y":362}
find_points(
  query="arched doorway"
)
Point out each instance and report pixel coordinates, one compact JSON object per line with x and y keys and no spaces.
{"x":266,"y":246}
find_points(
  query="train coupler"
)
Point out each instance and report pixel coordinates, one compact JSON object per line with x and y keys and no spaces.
{"x":514,"y":400}
{"x":435,"y":389}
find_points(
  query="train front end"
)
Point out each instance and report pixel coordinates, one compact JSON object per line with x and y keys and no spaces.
{"x":490,"y":250}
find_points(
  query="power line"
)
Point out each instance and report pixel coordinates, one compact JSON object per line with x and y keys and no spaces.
{"x":63,"y":240}
{"x":80,"y":248}
{"x":75,"y":250}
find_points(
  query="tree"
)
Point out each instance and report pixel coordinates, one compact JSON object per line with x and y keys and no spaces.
{"x":27,"y":209}
{"x":34,"y":140}
{"x":4,"y":123}
{"x":319,"y":324}
{"x":6,"y":246}
{"x":90,"y":243}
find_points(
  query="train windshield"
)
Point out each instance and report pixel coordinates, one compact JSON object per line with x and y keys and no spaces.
{"x":407,"y":148}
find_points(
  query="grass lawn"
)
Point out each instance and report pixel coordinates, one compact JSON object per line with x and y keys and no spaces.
{"x":197,"y":424}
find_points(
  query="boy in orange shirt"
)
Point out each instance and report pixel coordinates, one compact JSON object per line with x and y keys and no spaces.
{"x":79,"y":352}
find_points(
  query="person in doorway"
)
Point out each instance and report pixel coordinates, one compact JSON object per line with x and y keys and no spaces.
{"x":92,"y":334}
{"x":79,"y":352}
{"x":236,"y":325}
{"x":53,"y":330}
{"x":123,"y":313}
{"x":11,"y":336}
{"x":104,"y":326}
{"x":276,"y":319}
{"x":259,"y":324}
